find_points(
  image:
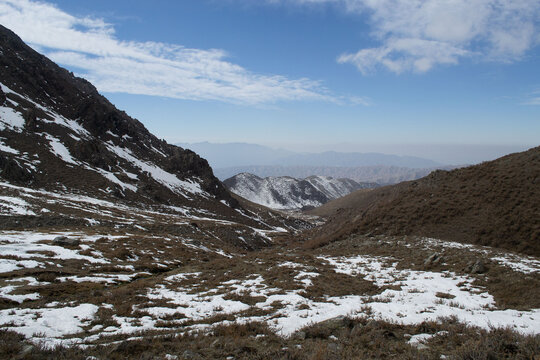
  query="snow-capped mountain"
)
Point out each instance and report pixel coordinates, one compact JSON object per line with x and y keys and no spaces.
{"x":284,"y":192}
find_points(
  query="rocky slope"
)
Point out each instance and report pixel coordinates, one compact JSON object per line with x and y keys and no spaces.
{"x":56,"y":128}
{"x":284,"y":192}
{"x":494,"y":203}
{"x":67,"y":156}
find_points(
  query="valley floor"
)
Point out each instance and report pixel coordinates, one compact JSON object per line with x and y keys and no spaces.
{"x":112,"y":280}
{"x":145,"y":287}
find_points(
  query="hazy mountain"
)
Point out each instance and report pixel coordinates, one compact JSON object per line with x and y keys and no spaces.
{"x":237,"y":154}
{"x":285,"y":192}
{"x":355,"y":159}
{"x":247,"y":156}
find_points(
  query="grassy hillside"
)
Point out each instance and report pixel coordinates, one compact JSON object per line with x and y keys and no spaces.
{"x":495,"y":203}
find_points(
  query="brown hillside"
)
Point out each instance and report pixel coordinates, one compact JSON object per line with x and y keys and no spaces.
{"x":495,"y":203}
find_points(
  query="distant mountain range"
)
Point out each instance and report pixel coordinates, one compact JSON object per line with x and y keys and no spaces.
{"x":381,"y":175}
{"x":284,"y":192}
{"x":230,"y":159}
{"x":237,"y":154}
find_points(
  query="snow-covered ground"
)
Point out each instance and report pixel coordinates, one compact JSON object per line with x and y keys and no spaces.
{"x":182,"y":298}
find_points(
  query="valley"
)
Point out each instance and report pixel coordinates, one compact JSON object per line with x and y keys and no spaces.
{"x":115,"y":244}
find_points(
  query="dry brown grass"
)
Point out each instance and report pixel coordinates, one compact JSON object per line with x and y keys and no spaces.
{"x":494,"y":203}
{"x":350,"y":339}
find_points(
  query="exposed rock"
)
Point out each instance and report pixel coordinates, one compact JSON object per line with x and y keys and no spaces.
{"x":476,"y":267}
{"x":433,"y":259}
{"x":333,"y":323}
{"x":65,"y":241}
{"x":2,"y":97}
{"x":11,"y":170}
{"x":26,"y":350}
{"x":188,"y":354}
{"x":334,"y":347}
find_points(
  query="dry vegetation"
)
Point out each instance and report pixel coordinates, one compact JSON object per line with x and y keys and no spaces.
{"x":348,"y":339}
{"x":494,"y":203}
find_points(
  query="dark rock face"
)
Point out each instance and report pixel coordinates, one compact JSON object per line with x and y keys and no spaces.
{"x":70,"y":133}
{"x":12,"y":171}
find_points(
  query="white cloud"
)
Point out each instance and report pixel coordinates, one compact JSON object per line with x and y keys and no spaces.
{"x":533,"y":101}
{"x":533,"y":98}
{"x":417,"y":35}
{"x":149,"y":68}
{"x":404,"y":54}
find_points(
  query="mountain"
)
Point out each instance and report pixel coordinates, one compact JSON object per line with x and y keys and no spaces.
{"x":382,"y":175}
{"x":355,"y":159}
{"x":494,"y":203}
{"x":289,"y":193}
{"x":60,"y":139}
{"x":233,"y":158}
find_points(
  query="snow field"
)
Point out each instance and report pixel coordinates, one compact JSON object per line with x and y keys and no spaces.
{"x":424,"y":296}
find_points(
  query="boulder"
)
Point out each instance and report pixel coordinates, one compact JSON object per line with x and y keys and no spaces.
{"x":333,"y":323}
{"x":65,"y":241}
{"x":476,"y":267}
{"x":433,"y":259}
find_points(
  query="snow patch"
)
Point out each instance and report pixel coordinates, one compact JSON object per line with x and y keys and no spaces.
{"x":7,"y":149}
{"x":48,"y":324}
{"x":10,"y":119}
{"x":14,"y":206}
{"x":518,"y":263}
{"x":160,"y":175}
{"x":58,"y":149}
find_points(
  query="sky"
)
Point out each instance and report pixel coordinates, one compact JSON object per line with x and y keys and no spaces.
{"x":456,"y":81}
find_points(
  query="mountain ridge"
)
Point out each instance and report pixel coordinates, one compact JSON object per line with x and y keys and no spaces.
{"x":285,"y":192}
{"x":225,"y":155}
{"x":383,"y":175}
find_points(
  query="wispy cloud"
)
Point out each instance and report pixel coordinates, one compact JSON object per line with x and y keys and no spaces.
{"x":533,"y":98}
{"x":533,"y":101}
{"x":149,"y":68}
{"x":417,"y":35}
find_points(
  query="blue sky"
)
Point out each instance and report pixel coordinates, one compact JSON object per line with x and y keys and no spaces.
{"x":454,"y":81}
